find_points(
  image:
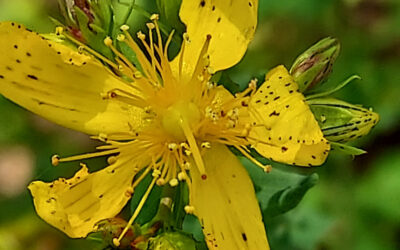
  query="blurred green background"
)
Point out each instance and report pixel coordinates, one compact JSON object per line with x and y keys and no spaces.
{"x":355,"y":205}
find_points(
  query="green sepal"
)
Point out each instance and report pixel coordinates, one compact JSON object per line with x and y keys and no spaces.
{"x":341,"y":121}
{"x":172,"y":241}
{"x":346,"y":149}
{"x":314,"y":65}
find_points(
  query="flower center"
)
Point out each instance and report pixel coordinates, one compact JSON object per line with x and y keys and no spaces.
{"x":178,"y":113}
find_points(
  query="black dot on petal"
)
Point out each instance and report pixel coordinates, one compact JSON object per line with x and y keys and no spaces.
{"x":313,"y":156}
{"x":1,"y":77}
{"x":15,"y":46}
{"x":250,"y":4}
{"x":58,"y":52}
{"x":280,"y":77}
{"x":202,"y":3}
{"x":219,"y":19}
{"x":284,"y":149}
{"x":244,"y":236}
{"x":213,"y":8}
{"x":28,"y":54}
{"x":18,"y":61}
{"x":32,"y":77}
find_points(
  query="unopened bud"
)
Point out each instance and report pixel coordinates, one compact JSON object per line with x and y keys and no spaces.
{"x":314,"y":65}
{"x":172,"y":241}
{"x":341,"y":121}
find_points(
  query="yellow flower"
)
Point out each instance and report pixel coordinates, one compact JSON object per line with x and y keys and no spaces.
{"x":166,"y":119}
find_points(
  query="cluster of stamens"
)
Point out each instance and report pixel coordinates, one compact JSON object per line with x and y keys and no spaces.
{"x":156,"y":148}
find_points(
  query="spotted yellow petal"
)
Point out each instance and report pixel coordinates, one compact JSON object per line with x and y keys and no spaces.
{"x":75,"y":205}
{"x":225,"y":203}
{"x":60,"y":84}
{"x":287,"y":131}
{"x":231,"y":25}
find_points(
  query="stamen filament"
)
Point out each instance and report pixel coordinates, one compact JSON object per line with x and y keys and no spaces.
{"x":194,"y":148}
{"x":137,"y":210}
{"x":89,"y":155}
{"x":266,"y":168}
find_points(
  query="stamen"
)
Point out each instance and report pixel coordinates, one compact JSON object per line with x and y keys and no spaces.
{"x":266,"y":168}
{"x":189,"y":209}
{"x":55,"y":160}
{"x":194,"y":149}
{"x":85,"y":156}
{"x":136,"y":213}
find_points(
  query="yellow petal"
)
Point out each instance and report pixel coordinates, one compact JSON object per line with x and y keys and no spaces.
{"x":288,"y":131}
{"x":75,"y":205}
{"x":60,"y":84}
{"x":225,"y":203}
{"x":231,"y":25}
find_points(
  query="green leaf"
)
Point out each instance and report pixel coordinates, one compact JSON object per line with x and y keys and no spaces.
{"x":347,"y":149}
{"x":150,"y":207}
{"x":278,"y":191}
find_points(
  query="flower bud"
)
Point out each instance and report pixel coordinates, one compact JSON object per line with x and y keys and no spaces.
{"x":172,"y":241}
{"x":315,"y":64}
{"x":341,"y":121}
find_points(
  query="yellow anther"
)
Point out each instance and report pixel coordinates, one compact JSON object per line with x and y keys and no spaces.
{"x":55,"y":160}
{"x":111,"y":160}
{"x":121,"y":37}
{"x":81,"y":49}
{"x":59,"y":30}
{"x":206,"y":144}
{"x":102,"y":136}
{"x":160,"y":182}
{"x":129,"y":192}
{"x":188,"y":152}
{"x":210,"y":85}
{"x":120,"y":67}
{"x":124,"y":27}
{"x":210,"y":70}
{"x":156,"y":173}
{"x":138,"y":74}
{"x":267,"y":168}
{"x":230,"y":124}
{"x":173,"y":182}
{"x":186,"y":165}
{"x":253,"y":84}
{"x":116,"y":242}
{"x":172,"y":146}
{"x":150,"y":25}
{"x":181,"y":176}
{"x":107,"y":41}
{"x":189,"y":209}
{"x":184,"y":145}
{"x":141,"y":36}
{"x":154,"y":17}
